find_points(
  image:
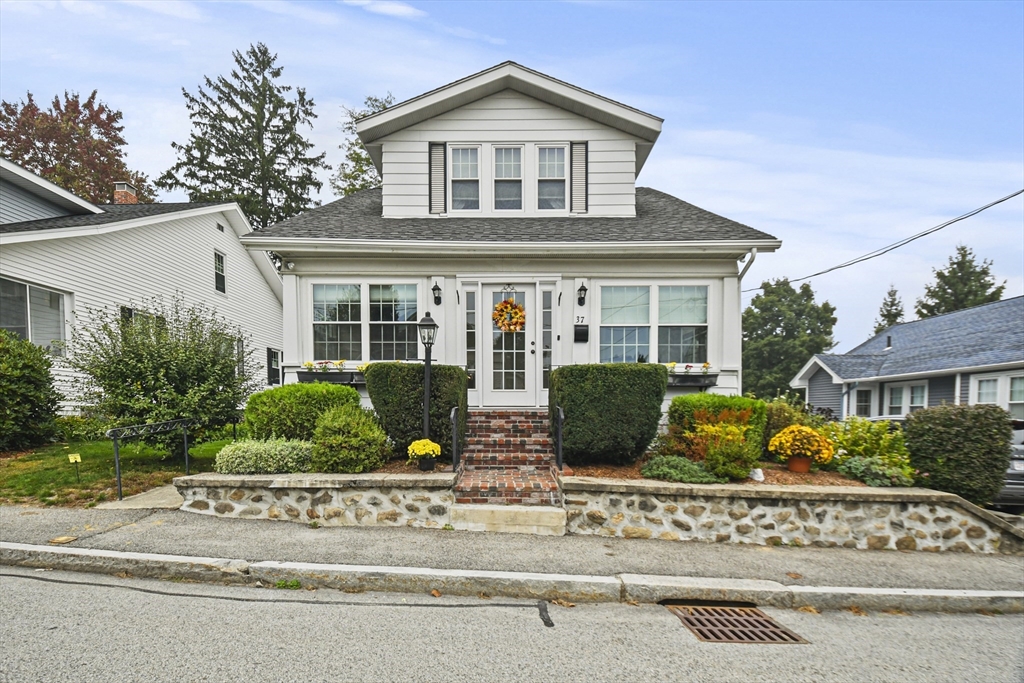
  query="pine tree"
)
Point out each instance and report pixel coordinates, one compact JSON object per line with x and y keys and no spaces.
{"x":782,"y":328}
{"x":961,"y":285}
{"x":891,"y":312}
{"x":77,"y":145}
{"x":357,"y":171}
{"x":245,"y":144}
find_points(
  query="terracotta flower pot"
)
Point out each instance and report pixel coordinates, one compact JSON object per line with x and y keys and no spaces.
{"x":427,"y":464}
{"x":798,"y":463}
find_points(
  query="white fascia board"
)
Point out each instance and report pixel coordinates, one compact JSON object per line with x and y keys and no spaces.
{"x":804,"y":375}
{"x":314,"y":246}
{"x":498,"y":78}
{"x":38,"y":185}
{"x":945,"y":371}
{"x":239,"y":222}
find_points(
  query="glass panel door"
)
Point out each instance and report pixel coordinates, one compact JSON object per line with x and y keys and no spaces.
{"x":510,"y":356}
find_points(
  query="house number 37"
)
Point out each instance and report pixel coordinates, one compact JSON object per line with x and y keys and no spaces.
{"x":579,"y":318}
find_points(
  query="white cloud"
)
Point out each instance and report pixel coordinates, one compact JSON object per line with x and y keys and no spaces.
{"x":179,"y":9}
{"x":389,"y":8}
{"x":294,"y":9}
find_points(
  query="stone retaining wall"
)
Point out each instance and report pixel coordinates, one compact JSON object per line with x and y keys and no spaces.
{"x":851,"y":517}
{"x":328,"y":500}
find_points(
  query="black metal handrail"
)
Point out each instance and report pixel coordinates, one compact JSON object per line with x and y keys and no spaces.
{"x":136,"y":431}
{"x":454,"y":416}
{"x":559,"y":420}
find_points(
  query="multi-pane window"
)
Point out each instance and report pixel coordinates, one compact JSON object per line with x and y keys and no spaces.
{"x":917,"y":393}
{"x":682,"y":324}
{"x":508,"y":178}
{"x":508,"y":350}
{"x":863,"y":403}
{"x":33,"y":313}
{"x":906,"y":398}
{"x":471,"y":338}
{"x":273,"y":366}
{"x":550,"y":178}
{"x":393,"y":332}
{"x":896,"y":400}
{"x":625,"y":324}
{"x":546,"y":331}
{"x":1017,"y":398}
{"x":465,"y":179}
{"x":337,"y":332}
{"x":218,"y":270}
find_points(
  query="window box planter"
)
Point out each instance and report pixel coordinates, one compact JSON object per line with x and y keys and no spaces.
{"x":351,"y":378}
{"x":697,"y":380}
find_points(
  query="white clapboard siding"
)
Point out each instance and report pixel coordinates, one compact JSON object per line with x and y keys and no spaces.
{"x":510,"y":117}
{"x":129,"y":266}
{"x":18,"y":205}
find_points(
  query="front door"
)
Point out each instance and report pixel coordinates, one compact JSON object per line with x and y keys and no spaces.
{"x":509,"y":363}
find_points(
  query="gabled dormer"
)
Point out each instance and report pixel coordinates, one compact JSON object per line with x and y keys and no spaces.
{"x":509,"y":142}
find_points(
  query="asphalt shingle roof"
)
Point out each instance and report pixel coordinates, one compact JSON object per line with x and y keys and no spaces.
{"x":989,"y":334}
{"x":112,"y":213}
{"x":660,"y":218}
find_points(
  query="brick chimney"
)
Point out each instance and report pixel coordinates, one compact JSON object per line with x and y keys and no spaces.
{"x":124,"y":193}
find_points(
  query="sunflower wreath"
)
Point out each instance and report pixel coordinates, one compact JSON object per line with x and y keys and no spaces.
{"x":509,"y":316}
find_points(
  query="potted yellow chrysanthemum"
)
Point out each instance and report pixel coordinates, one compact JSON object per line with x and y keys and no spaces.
{"x":426,"y":451}
{"x":798,"y":446}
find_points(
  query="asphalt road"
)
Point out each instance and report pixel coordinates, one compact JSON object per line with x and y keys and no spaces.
{"x":58,"y":626}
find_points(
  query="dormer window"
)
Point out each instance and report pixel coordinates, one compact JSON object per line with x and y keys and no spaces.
{"x":508,"y":178}
{"x":465,"y":179}
{"x":550,"y":178}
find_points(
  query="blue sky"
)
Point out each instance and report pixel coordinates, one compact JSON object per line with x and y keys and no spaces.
{"x":838,"y":127}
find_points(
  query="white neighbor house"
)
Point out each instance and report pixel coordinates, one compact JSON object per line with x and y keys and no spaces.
{"x":61,"y":256}
{"x":509,"y":183}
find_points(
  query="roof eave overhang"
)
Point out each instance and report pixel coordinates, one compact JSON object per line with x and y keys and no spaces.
{"x":30,"y":182}
{"x":505,"y":76}
{"x":994,"y":367}
{"x":322,"y":247}
{"x":810,"y":367}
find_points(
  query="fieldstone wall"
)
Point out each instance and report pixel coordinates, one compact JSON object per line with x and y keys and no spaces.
{"x":870,"y":519}
{"x":329,"y":500}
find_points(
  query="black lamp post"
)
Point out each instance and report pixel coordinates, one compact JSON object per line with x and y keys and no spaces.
{"x":428,"y":333}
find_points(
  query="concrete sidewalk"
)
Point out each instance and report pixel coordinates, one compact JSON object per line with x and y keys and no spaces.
{"x":393,"y":551}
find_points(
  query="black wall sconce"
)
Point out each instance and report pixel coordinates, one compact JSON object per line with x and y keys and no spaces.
{"x":436,"y":289}
{"x":581,"y":295}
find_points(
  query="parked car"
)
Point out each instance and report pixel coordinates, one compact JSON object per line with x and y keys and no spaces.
{"x":1011,"y":497}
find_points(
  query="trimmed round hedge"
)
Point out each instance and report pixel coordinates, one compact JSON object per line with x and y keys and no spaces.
{"x":348,"y":440}
{"x":396,"y":390}
{"x":612,"y":410}
{"x":274,"y":456}
{"x":960,"y":449}
{"x":291,"y":411}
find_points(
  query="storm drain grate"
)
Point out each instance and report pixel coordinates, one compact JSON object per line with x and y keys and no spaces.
{"x":733,"y":625}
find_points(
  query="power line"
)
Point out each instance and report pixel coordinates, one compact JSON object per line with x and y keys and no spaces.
{"x":908,"y":240}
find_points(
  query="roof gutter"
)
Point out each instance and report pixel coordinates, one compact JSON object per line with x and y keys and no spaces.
{"x":995,"y":367}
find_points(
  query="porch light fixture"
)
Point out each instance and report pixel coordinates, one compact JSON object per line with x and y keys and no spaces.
{"x":436,"y":289}
{"x":581,"y":295}
{"x":428,"y":333}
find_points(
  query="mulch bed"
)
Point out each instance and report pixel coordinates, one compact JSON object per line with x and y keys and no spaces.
{"x":403,"y":466}
{"x":774,"y":473}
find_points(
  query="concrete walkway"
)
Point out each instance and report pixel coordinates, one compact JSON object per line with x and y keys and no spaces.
{"x":160,"y":498}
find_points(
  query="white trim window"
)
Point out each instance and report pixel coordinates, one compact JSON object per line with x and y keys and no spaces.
{"x":33,"y":313}
{"x":625,"y":324}
{"x":682,"y":324}
{"x":864,"y":401}
{"x":337,"y":328}
{"x":508,"y":178}
{"x":219,"y":277}
{"x":1005,"y":390}
{"x":905,"y":398}
{"x":465,"y":178}
{"x":551,"y":179}
{"x":393,"y":331}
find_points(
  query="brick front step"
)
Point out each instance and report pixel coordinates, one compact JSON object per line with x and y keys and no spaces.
{"x":508,"y":486}
{"x":509,"y":445}
{"x":473,"y":459}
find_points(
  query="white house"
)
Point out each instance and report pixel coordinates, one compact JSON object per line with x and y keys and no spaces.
{"x":61,"y":256}
{"x":510,"y":184}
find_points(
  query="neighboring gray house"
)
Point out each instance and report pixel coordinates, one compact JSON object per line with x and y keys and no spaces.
{"x":61,"y":257}
{"x":968,"y":357}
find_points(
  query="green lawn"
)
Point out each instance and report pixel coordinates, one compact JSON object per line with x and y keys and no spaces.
{"x":45,"y":477}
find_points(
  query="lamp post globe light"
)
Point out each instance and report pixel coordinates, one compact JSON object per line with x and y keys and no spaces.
{"x":428,"y":333}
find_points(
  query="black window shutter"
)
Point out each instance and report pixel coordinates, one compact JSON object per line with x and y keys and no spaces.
{"x":127,"y":314}
{"x":578,"y":178}
{"x":438,"y":172}
{"x":270,"y":366}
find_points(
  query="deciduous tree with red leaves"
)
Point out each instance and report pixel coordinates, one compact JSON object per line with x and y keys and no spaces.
{"x":75,"y":144}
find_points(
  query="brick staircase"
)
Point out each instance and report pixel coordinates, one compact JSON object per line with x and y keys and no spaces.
{"x":509,"y":460}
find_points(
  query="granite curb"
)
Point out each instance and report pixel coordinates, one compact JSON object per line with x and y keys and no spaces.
{"x":631,"y":588}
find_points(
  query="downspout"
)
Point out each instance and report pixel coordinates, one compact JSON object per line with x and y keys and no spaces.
{"x":750,"y":262}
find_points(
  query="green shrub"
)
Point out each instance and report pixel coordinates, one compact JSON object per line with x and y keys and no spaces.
{"x":82,"y":428}
{"x":727,"y":450}
{"x":876,"y":471}
{"x":612,"y":410}
{"x":348,"y":439}
{"x":681,"y":413}
{"x":28,"y":400}
{"x":674,"y":468}
{"x":273,"y":456}
{"x":396,"y":390}
{"x":291,"y":411}
{"x":785,"y":411}
{"x":858,"y":437}
{"x":960,"y":449}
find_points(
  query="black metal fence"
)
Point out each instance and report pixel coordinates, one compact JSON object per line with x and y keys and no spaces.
{"x":137,"y":431}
